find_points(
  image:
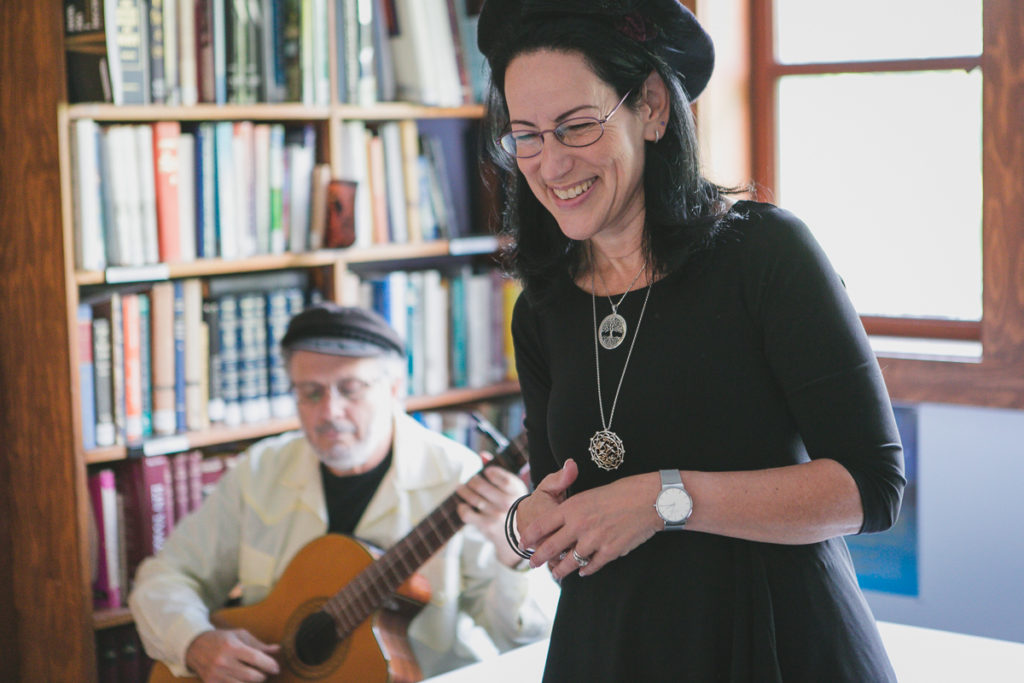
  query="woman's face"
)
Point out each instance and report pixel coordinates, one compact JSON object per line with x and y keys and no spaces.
{"x":591,"y":191}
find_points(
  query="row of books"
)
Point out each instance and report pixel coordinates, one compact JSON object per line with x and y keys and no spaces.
{"x":159,"y":192}
{"x":170,"y":359}
{"x":190,"y":51}
{"x":223,"y":51}
{"x":134,"y":506}
{"x":456,"y":324}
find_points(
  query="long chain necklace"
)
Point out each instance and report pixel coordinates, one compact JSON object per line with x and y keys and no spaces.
{"x":606,"y":448}
{"x":613,"y":326}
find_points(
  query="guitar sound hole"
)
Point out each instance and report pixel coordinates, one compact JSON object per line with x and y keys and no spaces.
{"x":315,"y":639}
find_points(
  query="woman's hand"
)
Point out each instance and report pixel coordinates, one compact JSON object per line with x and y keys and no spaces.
{"x":598,"y":525}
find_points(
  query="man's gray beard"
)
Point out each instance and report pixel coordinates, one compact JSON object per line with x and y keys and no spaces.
{"x":343,"y":458}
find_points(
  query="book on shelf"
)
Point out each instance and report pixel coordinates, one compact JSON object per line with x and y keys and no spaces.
{"x":188,"y":71}
{"x":277,"y":237}
{"x":300,"y":156}
{"x":146,"y":486}
{"x":377,"y":178}
{"x":242,"y":29}
{"x":146,"y":361}
{"x":106,"y":51}
{"x":106,"y":432}
{"x":86,"y":375}
{"x":320,"y":181}
{"x":131,"y":425}
{"x":214,"y":383}
{"x":106,"y":583}
{"x":86,"y":195}
{"x":187,"y":194}
{"x":180,"y":484}
{"x":179,"y":336}
{"x":230,"y":359}
{"x":196,"y":355}
{"x":145,"y":167}
{"x":351,"y":151}
{"x":163,"y":358}
{"x":383,"y":59}
{"x":159,"y":40}
{"x":206,"y":191}
{"x":391,"y":141}
{"x":167,"y":182}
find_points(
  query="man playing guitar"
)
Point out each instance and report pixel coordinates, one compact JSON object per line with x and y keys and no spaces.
{"x":361,"y":467}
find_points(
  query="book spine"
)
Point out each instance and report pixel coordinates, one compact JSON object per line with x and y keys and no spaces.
{"x":206,"y":191}
{"x":228,"y":246}
{"x":157,"y":39}
{"x":281,"y":404}
{"x":229,"y":360}
{"x":180,"y":409}
{"x":204,"y":50}
{"x":162,"y":333}
{"x":132,"y":51}
{"x":195,"y":355}
{"x":86,"y":376}
{"x":132,"y":368}
{"x":188,"y":73}
{"x":275,"y":175}
{"x":106,"y":583}
{"x":187,"y":209}
{"x":117,"y":365}
{"x":261,"y":186}
{"x":166,"y":138}
{"x":90,"y":253}
{"x":215,"y":400}
{"x":146,"y":486}
{"x":172,"y":66}
{"x":180,"y":477}
{"x":144,"y":150}
{"x":106,"y":432}
{"x":146,"y":362}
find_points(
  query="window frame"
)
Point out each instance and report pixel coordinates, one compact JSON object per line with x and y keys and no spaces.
{"x":996,"y":379}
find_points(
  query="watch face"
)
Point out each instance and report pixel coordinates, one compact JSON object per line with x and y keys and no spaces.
{"x":674,"y":505}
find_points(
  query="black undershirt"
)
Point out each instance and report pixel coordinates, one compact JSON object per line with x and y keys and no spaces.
{"x":347,"y":497}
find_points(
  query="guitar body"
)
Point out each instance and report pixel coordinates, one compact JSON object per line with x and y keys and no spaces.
{"x":377,"y":651}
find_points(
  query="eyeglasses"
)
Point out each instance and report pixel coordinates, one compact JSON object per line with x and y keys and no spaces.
{"x":579,"y":131}
{"x":351,"y":389}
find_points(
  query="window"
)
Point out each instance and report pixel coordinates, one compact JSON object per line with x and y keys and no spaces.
{"x":894,"y":128}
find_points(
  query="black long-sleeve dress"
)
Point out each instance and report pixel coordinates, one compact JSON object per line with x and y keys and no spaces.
{"x":749,"y":357}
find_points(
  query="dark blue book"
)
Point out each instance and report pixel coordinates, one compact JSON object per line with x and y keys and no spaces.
{"x":229,"y":359}
{"x":279,"y":384}
{"x":153,"y":18}
{"x":180,"y":413}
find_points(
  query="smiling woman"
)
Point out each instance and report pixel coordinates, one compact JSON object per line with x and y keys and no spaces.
{"x":732,"y":394}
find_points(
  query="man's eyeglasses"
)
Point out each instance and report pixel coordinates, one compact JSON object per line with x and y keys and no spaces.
{"x":579,"y":131}
{"x":351,"y":389}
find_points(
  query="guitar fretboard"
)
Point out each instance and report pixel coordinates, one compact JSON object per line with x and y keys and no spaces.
{"x":377,"y":583}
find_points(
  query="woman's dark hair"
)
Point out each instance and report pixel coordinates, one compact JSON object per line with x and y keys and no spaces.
{"x":683,"y":208}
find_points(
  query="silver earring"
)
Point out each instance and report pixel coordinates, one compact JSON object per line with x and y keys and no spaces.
{"x":657,"y":136}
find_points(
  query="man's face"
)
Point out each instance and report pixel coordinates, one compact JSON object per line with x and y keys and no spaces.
{"x":345,"y":407}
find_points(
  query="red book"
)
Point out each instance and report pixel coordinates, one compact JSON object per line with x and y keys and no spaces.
{"x":106,"y":585}
{"x":165,"y":174}
{"x":146,"y":485}
{"x":132,"y":335}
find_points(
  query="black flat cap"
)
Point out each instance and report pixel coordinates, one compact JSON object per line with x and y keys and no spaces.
{"x":341,"y":331}
{"x":664,"y":27}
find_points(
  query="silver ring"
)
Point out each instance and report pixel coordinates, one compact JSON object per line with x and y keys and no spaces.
{"x":581,"y":561}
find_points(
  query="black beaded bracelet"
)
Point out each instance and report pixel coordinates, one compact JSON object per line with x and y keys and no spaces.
{"x":510,"y":530}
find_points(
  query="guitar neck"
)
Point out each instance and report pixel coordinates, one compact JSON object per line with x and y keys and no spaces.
{"x":378,"y":582}
{"x":369,"y":591}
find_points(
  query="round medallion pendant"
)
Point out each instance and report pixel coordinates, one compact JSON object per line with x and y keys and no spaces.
{"x":606,"y":450}
{"x":612,"y":331}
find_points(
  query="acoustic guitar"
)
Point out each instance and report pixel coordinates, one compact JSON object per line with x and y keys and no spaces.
{"x":341,"y":610}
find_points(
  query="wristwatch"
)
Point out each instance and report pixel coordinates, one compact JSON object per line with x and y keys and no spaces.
{"x":673,"y":503}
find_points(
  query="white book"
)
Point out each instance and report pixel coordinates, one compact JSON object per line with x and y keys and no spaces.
{"x":261,"y":186}
{"x":187,"y":53}
{"x":442,"y":49}
{"x":245,"y":188}
{"x":122,"y":220}
{"x":398,"y":283}
{"x":90,"y":252}
{"x":147,"y":192}
{"x":391,"y":137}
{"x":187,"y":195}
{"x":435,"y":333}
{"x":300,"y":162}
{"x":478,"y":329}
{"x":415,"y":81}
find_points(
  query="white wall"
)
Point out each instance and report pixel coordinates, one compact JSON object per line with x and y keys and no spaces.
{"x":970,"y":524}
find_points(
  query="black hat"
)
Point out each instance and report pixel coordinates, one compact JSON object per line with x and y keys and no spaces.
{"x":665,"y":27}
{"x":341,"y":331}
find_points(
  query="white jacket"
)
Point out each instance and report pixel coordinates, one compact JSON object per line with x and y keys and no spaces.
{"x":271,"y":504}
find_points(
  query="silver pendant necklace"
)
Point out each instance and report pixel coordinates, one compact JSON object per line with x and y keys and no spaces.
{"x":606,"y":448}
{"x":613,"y":327}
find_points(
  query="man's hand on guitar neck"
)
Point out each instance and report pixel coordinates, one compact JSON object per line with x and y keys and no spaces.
{"x":488,"y":496}
{"x":227,"y":656}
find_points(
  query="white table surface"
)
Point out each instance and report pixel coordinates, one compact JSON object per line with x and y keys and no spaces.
{"x":919,"y":655}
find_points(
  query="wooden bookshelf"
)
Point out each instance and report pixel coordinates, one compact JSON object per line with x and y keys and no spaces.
{"x":45,"y":579}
